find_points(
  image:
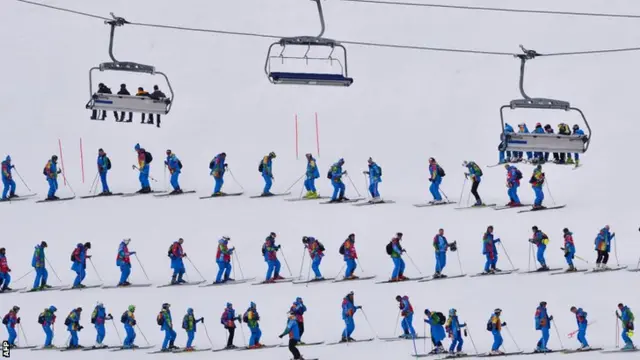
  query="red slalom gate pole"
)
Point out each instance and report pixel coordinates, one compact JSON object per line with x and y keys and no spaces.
{"x":317,"y":136}
{"x":82,"y":160}
{"x":296,"y":126}
{"x":62,"y":161}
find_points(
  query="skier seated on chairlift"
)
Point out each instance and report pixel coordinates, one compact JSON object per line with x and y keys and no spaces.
{"x":102,"y":89}
{"x":155,"y":95}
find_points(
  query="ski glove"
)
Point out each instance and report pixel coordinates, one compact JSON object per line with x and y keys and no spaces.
{"x":550,"y":317}
{"x":465,"y":332}
{"x":80,"y":328}
{"x":132,"y":253}
{"x":202,"y":320}
{"x":504,"y":323}
{"x":18,"y":321}
{"x":359,"y":307}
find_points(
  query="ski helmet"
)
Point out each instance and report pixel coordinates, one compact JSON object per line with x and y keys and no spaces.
{"x":16,"y":308}
{"x":534,"y":228}
{"x":565,"y":230}
{"x":166,"y":306}
{"x":43,"y":244}
{"x":543,"y":303}
{"x":465,"y":163}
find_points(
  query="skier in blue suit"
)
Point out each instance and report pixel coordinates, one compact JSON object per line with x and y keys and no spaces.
{"x":167,"y":327}
{"x":581,"y":319}
{"x":496,"y":324}
{"x":508,"y":129}
{"x":490,"y":251}
{"x":7,"y":179}
{"x":523,"y":129}
{"x":440,"y":245}
{"x":540,"y":240}
{"x":175,"y":168}
{"x":80,"y":263}
{"x":603,"y":247}
{"x":266,"y":168}
{"x":375,"y":177}
{"x":144,"y":167}
{"x":513,"y":183}
{"x":104,"y":165}
{"x":38,"y":262}
{"x":218,"y":168}
{"x":128,"y":318}
{"x":47,"y":318}
{"x":454,"y":329}
{"x":51,"y":171}
{"x":270,"y":254}
{"x":10,"y":320}
{"x":569,"y":249}
{"x":538,"y":156}
{"x":543,"y":323}
{"x":348,"y":310}
{"x":311,"y":175}
{"x":435,"y":177}
{"x":223,"y":259}
{"x":176,"y":253}
{"x":406,"y":310}
{"x":336,"y":180}
{"x":627,"y":318}
{"x":123,"y":261}
{"x":436,"y":321}
{"x":73,"y":327}
{"x":579,"y":132}
{"x":98,"y":318}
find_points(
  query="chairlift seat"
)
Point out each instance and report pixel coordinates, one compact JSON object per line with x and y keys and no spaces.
{"x":128,"y":103}
{"x":310,"y":79}
{"x":547,"y":143}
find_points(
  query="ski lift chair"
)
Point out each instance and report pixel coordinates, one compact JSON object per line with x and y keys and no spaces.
{"x":542,"y":142}
{"x":305,"y":78}
{"x":127,"y":103}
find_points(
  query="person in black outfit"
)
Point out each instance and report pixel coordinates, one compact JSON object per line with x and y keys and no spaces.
{"x":141,"y":92}
{"x":102,"y":89}
{"x":124,"y":91}
{"x":156,"y":95}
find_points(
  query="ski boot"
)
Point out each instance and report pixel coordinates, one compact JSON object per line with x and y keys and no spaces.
{"x":266,"y":194}
{"x":496,"y":352}
{"x":628,"y":346}
{"x":571,"y":269}
{"x":278,"y":277}
{"x":570,"y":161}
{"x":437,"y":275}
{"x":230,"y":347}
{"x":584,"y":348}
{"x":543,"y":268}
{"x":352,"y":277}
{"x":173,"y":280}
{"x":344,"y":339}
{"x":165,"y":350}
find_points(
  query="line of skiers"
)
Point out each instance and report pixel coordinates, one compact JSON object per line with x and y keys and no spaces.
{"x":540,"y":157}
{"x":157,"y":94}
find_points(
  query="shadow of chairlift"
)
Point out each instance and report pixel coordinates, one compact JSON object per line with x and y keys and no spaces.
{"x":126,"y":103}
{"x":542,"y":142}
{"x":309,"y":78}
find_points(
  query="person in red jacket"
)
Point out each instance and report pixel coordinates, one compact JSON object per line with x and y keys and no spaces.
{"x":5,"y":278}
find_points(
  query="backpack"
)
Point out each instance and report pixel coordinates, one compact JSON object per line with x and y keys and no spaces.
{"x":160,"y":319}
{"x":170,"y":252}
{"x":440,"y":171}
{"x":108,"y":163}
{"x":329,"y":174}
{"x":93,"y":316}
{"x":389,"y":248}
{"x":320,"y":246}
{"x":179,"y":164}
{"x":260,"y":166}
{"x":341,"y":250}
{"x":41,"y":319}
{"x":148,"y":158}
{"x":123,"y":318}
{"x":477,"y":169}
{"x":67,"y":321}
{"x":518,"y":174}
{"x":73,"y":255}
{"x":264,"y":249}
{"x":5,"y":319}
{"x":489,"y":325}
{"x":212,"y":164}
{"x":441,"y":318}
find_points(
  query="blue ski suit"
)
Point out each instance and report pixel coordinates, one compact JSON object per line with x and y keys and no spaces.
{"x":47,"y":318}
{"x":375,"y":177}
{"x":513,"y":183}
{"x":569,"y":248}
{"x":540,"y":240}
{"x":536,"y":181}
{"x":336,"y":180}
{"x":348,"y":310}
{"x":627,"y":318}
{"x":580,"y":133}
{"x":103,"y":168}
{"x":73,"y":321}
{"x":316,"y":254}
{"x":251,"y":317}
{"x":538,"y":130}
{"x":440,"y":245}
{"x":508,"y":129}
{"x":218,"y":168}
{"x":398,"y":263}
{"x":167,"y":327}
{"x":437,"y":330}
{"x":7,"y":179}
{"x":189,"y":325}
{"x":267,"y":173}
{"x":270,"y":253}
{"x":175,"y":166}
{"x":123,"y":260}
{"x":454,"y":329}
{"x":523,"y":129}
{"x":350,"y":256}
{"x":223,"y":259}
{"x":99,"y":316}
{"x":177,"y":264}
{"x":581,"y":319}
{"x":143,"y":167}
{"x":543,"y":323}
{"x":311,"y":174}
{"x":496,"y":329}
{"x":38,"y":262}
{"x":79,"y":264}
{"x":51,"y":172}
{"x":406,"y":310}
{"x":129,"y":320}
{"x":11,"y":319}
{"x":435,"y":180}
{"x":490,"y":251}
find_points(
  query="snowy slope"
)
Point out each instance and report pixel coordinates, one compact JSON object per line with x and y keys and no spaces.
{"x":403,"y":107}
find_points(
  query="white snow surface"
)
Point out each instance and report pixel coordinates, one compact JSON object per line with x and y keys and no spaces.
{"x":404,"y":107}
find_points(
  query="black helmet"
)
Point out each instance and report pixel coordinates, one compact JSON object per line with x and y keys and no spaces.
{"x":44,"y":244}
{"x":87,"y":245}
{"x":54,"y":157}
{"x":534,"y":228}
{"x":565,"y":230}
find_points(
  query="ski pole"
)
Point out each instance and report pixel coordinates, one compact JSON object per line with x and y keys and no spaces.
{"x":638,"y":266}
{"x":150,"y":177}
{"x":512,"y":339}
{"x":96,"y":270}
{"x":285,"y":261}
{"x":365,"y":184}
{"x":558,"y":333}
{"x":292,"y":185}
{"x":142,"y":267}
{"x":164,"y":177}
{"x":113,"y":322}
{"x":24,"y":335}
{"x":368,"y":322}
{"x":617,"y":330}
{"x":462,"y":190}
{"x":301,"y":190}
{"x":354,"y":185}
{"x":340,"y":272}
{"x":243,"y":337}
{"x":395,"y":328}
{"x":22,"y":180}
{"x":238,"y":261}
{"x":459,"y":262}
{"x":529,"y":264}
{"x":234,"y":178}
{"x":206,"y":331}
{"x":549,"y":191}
{"x":507,"y":255}
{"x":94,"y":184}
{"x":443,"y":194}
{"x":308,"y":273}
{"x":579,"y":258}
{"x":195,"y":268}
{"x":573,"y":333}
{"x":472,"y":342}
{"x":359,"y":266}
{"x":415,"y":348}
{"x":615,"y":250}
{"x":414,"y":264}
{"x":23,"y":276}
{"x":68,"y":184}
{"x":141,"y":333}
{"x":52,"y":269}
{"x":424,"y":330}
{"x":304,"y":252}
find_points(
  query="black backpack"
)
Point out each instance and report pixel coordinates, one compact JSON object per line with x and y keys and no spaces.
{"x":108,"y":163}
{"x":123,"y":318}
{"x":212,"y":164}
{"x":329,"y":174}
{"x":41,"y":319}
{"x":170,"y":252}
{"x":341,"y":250}
{"x":67,"y":321}
{"x":489,"y":326}
{"x":5,"y":319}
{"x":320,"y":246}
{"x":518,"y":174}
{"x":440,"y":171}
{"x":441,"y":318}
{"x":73,"y":255}
{"x":389,"y":248}
{"x":260,"y":166}
{"x":264,"y":249}
{"x":160,"y":319}
{"x":148,"y":158}
{"x":179,"y":164}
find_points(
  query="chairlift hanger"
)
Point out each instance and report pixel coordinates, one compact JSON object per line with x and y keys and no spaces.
{"x":542,"y":142}
{"x":124,"y":102}
{"x":298,"y":78}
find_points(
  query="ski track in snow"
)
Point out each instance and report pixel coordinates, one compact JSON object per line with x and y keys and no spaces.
{"x":404,"y":107}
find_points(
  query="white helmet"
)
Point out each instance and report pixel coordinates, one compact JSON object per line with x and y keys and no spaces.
{"x":126,"y":241}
